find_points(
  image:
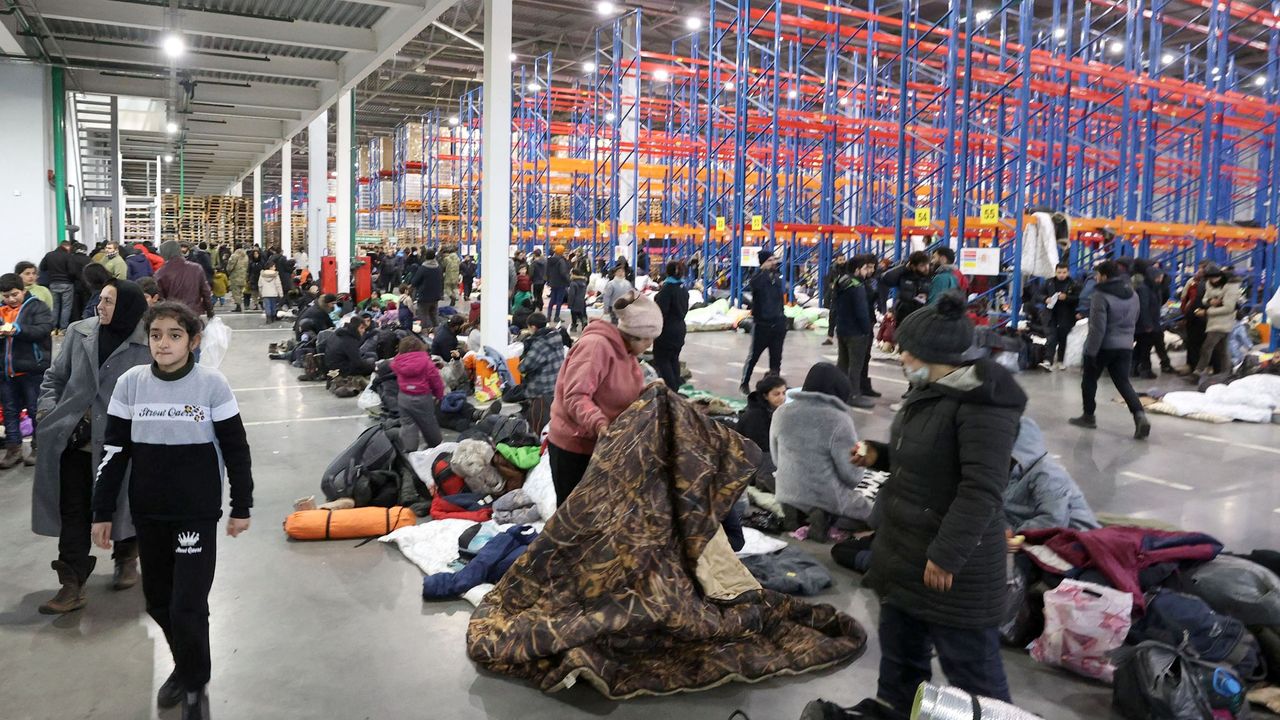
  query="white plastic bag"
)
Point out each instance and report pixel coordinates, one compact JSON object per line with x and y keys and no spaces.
{"x":369,"y":399}
{"x":1075,"y":343}
{"x":1083,"y":623}
{"x":214,"y":341}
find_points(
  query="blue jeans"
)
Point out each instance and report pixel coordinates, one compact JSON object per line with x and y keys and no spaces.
{"x":554,"y":306}
{"x":64,"y":296}
{"x":969,"y":657}
{"x":269,"y":305}
{"x":18,"y":394}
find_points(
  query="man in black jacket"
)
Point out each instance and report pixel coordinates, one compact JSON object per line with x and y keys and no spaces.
{"x":538,"y":275}
{"x":467,"y":269}
{"x":316,"y":317}
{"x":428,"y":279}
{"x":1113,"y":315}
{"x":938,"y":558}
{"x":27,"y":351}
{"x":854,"y":322}
{"x":558,"y":277}
{"x":1060,"y":296}
{"x":342,"y":352}
{"x":829,"y":296}
{"x":769,"y":324}
{"x":673,"y":300}
{"x":61,"y":275}
{"x":912,"y":281}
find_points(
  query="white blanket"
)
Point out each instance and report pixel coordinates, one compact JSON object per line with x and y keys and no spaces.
{"x":757,"y":543}
{"x":538,"y":486}
{"x":432,"y":546}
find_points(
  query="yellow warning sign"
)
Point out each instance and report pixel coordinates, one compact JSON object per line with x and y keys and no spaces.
{"x":757,"y":222}
{"x":990,"y":213}
{"x":924,"y":217}
{"x":623,"y":228}
{"x":720,"y":223}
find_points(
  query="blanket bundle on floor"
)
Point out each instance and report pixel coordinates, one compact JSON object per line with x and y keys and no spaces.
{"x":632,"y":586}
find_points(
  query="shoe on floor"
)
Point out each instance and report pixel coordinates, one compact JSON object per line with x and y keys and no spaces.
{"x":12,"y":457}
{"x":896,"y":406}
{"x":868,"y":392}
{"x":125,"y":575}
{"x":1141,"y":426}
{"x":818,"y":523}
{"x":1047,"y":366}
{"x":1085,"y":421}
{"x":171,"y":692}
{"x":70,"y":597}
{"x":1062,"y":366}
{"x":827,"y":342}
{"x":860,"y":401}
{"x":195,"y":705}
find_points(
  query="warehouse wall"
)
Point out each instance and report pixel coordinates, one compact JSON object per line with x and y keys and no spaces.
{"x":26,"y":155}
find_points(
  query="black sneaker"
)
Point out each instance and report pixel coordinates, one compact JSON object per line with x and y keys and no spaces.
{"x":1085,"y":421}
{"x":170,"y":692}
{"x":871,"y":393}
{"x":195,"y":705}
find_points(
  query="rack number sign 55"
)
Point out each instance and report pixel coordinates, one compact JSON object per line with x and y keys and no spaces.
{"x":924,"y":217}
{"x":991,"y":214}
{"x":757,"y":222}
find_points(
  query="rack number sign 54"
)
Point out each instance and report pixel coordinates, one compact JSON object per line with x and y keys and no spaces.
{"x":924,"y":217}
{"x":991,"y":214}
{"x":720,"y":225}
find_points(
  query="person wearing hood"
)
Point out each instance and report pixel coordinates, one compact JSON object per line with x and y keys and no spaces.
{"x":599,"y":379}
{"x":938,"y":558}
{"x":1041,"y":493}
{"x":428,"y":280}
{"x":155,"y":260}
{"x":72,"y":422}
{"x":673,"y":301}
{"x":756,"y":421}
{"x":270,"y":291}
{"x":238,"y":278}
{"x":811,"y":440}
{"x":1113,"y":317}
{"x":315,"y":318}
{"x":1147,"y":328}
{"x":138,"y":266}
{"x":184,"y":281}
{"x":854,"y":323}
{"x":769,"y":322}
{"x":1219,"y":300}
{"x":342,"y":352}
{"x":945,"y":275}
{"x":559,"y":278}
{"x":26,"y":325}
{"x":421,"y":391}
{"x":539,"y":369}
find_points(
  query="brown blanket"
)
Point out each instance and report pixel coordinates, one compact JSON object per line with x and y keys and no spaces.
{"x":632,"y":585}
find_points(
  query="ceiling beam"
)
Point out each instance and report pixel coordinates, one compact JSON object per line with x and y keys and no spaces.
{"x":229,"y":110}
{"x":263,"y":95}
{"x":195,"y":22}
{"x":269,"y":66}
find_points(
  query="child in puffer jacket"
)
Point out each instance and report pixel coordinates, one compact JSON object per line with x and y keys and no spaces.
{"x":421,"y":390}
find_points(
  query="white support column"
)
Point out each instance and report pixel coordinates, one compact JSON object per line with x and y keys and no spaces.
{"x":342,"y":228}
{"x":257,"y":206}
{"x":495,"y":182}
{"x":317,"y":189}
{"x":286,"y":198}
{"x":155,"y":214}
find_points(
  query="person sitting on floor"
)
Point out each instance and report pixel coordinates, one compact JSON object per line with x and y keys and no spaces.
{"x":342,"y":352}
{"x":1041,"y":493}
{"x":757,"y":418}
{"x":444,"y":343}
{"x":809,"y":441}
{"x":316,"y":316}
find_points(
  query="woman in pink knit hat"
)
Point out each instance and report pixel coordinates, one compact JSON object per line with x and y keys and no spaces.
{"x":599,"y":379}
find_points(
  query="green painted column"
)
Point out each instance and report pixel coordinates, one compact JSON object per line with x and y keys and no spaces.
{"x":60,"y":151}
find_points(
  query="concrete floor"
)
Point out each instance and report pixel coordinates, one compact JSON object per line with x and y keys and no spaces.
{"x":331,"y":630}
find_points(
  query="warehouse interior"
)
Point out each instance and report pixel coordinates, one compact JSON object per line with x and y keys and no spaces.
{"x":708,"y":146}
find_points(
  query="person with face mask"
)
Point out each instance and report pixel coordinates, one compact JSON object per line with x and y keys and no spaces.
{"x":938,"y":558}
{"x":1219,"y":301}
{"x":599,"y":379}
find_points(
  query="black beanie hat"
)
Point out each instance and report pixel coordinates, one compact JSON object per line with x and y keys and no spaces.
{"x":763,"y":256}
{"x":826,"y":378}
{"x":939,"y":332}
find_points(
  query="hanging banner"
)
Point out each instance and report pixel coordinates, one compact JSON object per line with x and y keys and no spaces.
{"x":720,"y":224}
{"x":924,"y":217}
{"x":757,"y":222}
{"x":979,"y":261}
{"x":991,"y":214}
{"x":749,"y":256}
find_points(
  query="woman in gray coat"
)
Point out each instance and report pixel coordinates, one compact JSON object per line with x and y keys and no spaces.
{"x":73,"y":420}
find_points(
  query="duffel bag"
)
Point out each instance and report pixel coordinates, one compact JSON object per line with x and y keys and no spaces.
{"x":347,"y":524}
{"x":1154,"y":681}
{"x":1177,"y":619}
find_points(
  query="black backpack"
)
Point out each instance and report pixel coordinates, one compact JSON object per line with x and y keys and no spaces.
{"x":510,"y":429}
{"x":1155,"y":681}
{"x":1186,"y":621}
{"x":371,"y":451}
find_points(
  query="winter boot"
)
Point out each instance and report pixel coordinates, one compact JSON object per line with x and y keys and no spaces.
{"x":790,"y":518}
{"x":818,"y":525}
{"x":195,"y":705}
{"x":1085,"y":421}
{"x":125,"y":574}
{"x":1141,"y":426}
{"x":71,"y":597}
{"x":12,"y":457}
{"x":171,"y":692}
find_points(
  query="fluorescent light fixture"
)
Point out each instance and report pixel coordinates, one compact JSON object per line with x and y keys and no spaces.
{"x":1167,"y":59}
{"x":513,"y":57}
{"x":588,"y":67}
{"x":844,"y":100}
{"x":693,"y":22}
{"x":534,"y":87}
{"x":420,"y":70}
{"x":728,"y":85}
{"x":167,"y":190}
{"x":171,"y":128}
{"x":793,"y":94}
{"x":1059,"y":33}
{"x":168,"y":158}
{"x":453,"y":120}
{"x":661,"y":75}
{"x":173,"y":45}
{"x":606,"y":8}
{"x":610,"y":117}
{"x":983,"y":15}
{"x":1260,"y":80}
{"x":1116,"y":47}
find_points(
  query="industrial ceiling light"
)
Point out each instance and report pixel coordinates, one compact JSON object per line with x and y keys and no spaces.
{"x":168,"y":158}
{"x":661,"y":75}
{"x":793,"y":94}
{"x":171,"y":127}
{"x":610,"y":117}
{"x":1060,"y":33}
{"x":1167,"y":58}
{"x":1260,"y":80}
{"x":1116,"y":47}
{"x":983,"y":15}
{"x":453,"y":120}
{"x":693,"y":22}
{"x":606,"y":8}
{"x":513,"y":57}
{"x":534,"y":87}
{"x":588,"y":67}
{"x":173,"y":45}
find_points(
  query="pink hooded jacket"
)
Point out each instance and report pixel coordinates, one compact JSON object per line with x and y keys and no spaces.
{"x":599,"y":379}
{"x":418,"y":375}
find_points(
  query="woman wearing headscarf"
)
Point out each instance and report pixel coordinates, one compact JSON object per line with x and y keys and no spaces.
{"x":255,"y":269}
{"x":73,"y":419}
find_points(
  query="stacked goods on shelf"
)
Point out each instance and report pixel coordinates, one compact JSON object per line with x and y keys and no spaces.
{"x":362,"y":163}
{"x":298,"y":231}
{"x":271,"y":233}
{"x":414,"y":142}
{"x":386,"y":161}
{"x":139,"y":220}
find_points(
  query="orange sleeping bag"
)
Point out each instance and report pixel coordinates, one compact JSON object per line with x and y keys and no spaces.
{"x":347,"y":524}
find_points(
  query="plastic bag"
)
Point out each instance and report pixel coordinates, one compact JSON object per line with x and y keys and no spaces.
{"x":214,"y":341}
{"x":369,"y":399}
{"x":1083,"y":623}
{"x":1075,"y":344}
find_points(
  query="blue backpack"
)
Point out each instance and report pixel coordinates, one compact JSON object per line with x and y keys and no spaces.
{"x":1188,"y":623}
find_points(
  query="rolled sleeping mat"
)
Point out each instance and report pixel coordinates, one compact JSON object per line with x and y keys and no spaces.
{"x":943,"y":702}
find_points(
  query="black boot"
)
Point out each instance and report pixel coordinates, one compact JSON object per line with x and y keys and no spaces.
{"x":195,"y":705}
{"x":171,"y":691}
{"x":1141,"y":426}
{"x":1085,"y":421}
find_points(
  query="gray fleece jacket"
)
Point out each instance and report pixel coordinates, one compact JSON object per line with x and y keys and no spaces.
{"x":1041,"y":493}
{"x":809,"y":441}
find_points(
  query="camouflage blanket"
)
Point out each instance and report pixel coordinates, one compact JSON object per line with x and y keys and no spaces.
{"x":632,"y":586}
